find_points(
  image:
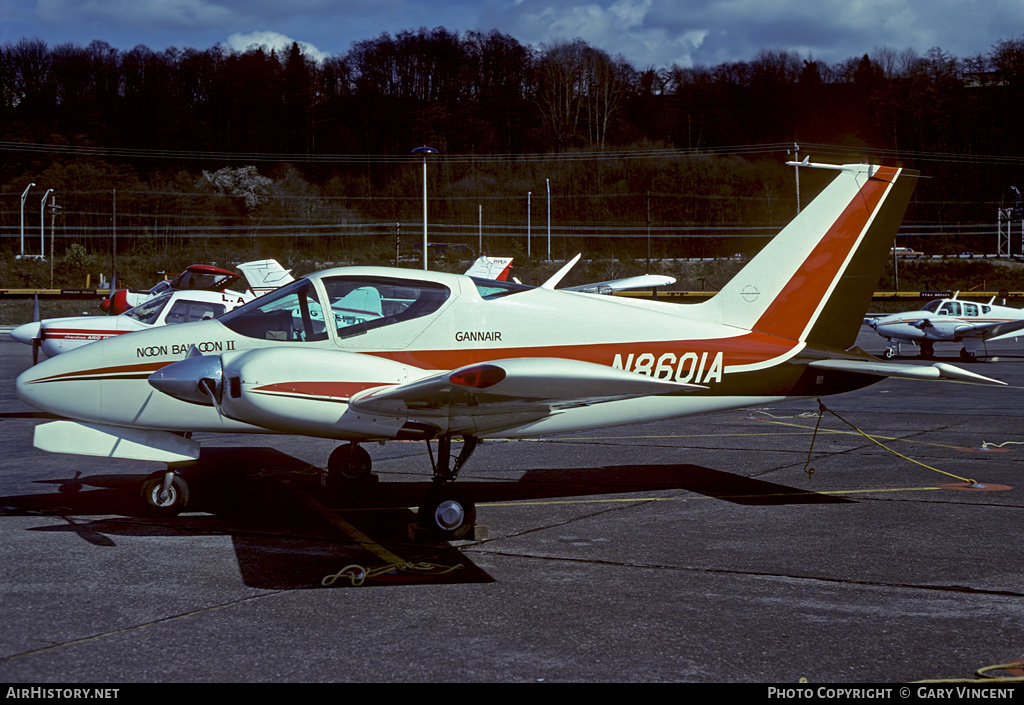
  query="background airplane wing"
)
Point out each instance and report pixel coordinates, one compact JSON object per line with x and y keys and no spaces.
{"x":990,"y":331}
{"x":512,"y":385}
{"x":643,"y":281}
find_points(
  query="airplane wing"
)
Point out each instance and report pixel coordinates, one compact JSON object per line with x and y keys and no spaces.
{"x":935,"y":371}
{"x":644,"y":281}
{"x":512,"y":385}
{"x":607,"y":287}
{"x":990,"y":331}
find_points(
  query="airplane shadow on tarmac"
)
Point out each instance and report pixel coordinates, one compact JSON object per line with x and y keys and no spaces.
{"x":288,"y":535}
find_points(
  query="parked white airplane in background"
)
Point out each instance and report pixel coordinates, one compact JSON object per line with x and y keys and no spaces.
{"x":171,"y":305}
{"x":261,"y":276}
{"x":949,"y":320}
{"x":499,"y":268}
{"x":454,"y":356}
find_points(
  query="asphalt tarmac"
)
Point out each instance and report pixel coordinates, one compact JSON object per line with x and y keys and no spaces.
{"x":696,"y":550}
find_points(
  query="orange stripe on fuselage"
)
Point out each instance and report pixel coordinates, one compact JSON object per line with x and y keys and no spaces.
{"x":116,"y":370}
{"x":746,"y":349}
{"x":792,"y":310}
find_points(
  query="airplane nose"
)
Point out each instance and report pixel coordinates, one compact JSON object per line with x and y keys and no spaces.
{"x":26,"y":332}
{"x":194,"y":379}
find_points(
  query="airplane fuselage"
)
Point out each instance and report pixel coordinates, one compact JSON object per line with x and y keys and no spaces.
{"x":108,"y":382}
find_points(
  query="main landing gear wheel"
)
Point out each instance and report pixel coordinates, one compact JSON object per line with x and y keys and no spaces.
{"x":165,"y":494}
{"x":447,"y":515}
{"x":348,"y":465}
{"x":967,"y":356}
{"x":927,"y":350}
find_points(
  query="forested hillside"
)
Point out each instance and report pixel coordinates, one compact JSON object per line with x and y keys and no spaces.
{"x":170,"y":145}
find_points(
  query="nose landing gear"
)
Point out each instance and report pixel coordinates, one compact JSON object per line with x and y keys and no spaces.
{"x":447,"y":514}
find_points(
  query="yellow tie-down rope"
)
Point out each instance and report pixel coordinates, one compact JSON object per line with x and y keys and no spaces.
{"x":822,"y":408}
{"x":358,"y":574}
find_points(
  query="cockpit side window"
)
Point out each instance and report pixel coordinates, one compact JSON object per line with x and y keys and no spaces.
{"x":950,"y":308}
{"x":360,"y":304}
{"x":292,"y":313}
{"x":970,"y":309}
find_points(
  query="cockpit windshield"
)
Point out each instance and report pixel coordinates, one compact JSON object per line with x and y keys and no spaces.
{"x":149,"y":311}
{"x":292,"y":313}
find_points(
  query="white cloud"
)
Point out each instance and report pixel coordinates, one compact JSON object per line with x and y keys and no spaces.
{"x":273,"y":41}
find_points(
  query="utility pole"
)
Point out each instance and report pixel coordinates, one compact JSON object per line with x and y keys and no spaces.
{"x":547,"y":183}
{"x":529,"y":195}
{"x":796,"y":167}
{"x":648,"y":232}
{"x":53,"y":225}
{"x":42,"y":224}
{"x":23,"y":196}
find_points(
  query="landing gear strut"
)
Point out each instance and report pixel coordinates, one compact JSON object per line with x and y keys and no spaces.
{"x":445,"y":513}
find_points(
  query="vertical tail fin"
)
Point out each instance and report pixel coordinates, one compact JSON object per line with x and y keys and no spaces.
{"x":813,"y":282}
{"x":265,"y":275}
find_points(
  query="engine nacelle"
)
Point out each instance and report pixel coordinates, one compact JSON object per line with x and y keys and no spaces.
{"x":289,"y":390}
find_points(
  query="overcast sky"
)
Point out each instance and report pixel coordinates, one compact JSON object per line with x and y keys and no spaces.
{"x":648,"y":33}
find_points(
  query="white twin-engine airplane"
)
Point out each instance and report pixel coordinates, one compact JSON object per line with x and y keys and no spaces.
{"x":949,"y":320}
{"x":448,"y":355}
{"x":195,"y":297}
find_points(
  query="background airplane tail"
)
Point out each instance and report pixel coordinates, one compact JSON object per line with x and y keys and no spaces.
{"x":814,"y":280}
{"x":265,"y":275}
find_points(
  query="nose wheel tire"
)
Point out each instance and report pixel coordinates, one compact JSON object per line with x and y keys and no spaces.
{"x":447,"y":515}
{"x":162,"y":498}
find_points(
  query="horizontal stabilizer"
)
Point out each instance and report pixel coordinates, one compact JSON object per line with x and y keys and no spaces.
{"x":114,"y":442}
{"x":933,"y":372}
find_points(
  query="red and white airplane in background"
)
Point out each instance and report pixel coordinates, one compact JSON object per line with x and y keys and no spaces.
{"x":949,"y":320}
{"x":454,"y":356}
{"x":170,"y":305}
{"x":261,"y":277}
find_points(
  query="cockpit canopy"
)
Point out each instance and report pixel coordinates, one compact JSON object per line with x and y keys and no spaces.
{"x":353,"y":306}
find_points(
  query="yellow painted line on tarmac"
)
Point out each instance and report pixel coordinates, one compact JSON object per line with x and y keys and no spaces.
{"x":805,"y":431}
{"x":352,"y":532}
{"x":635,"y":500}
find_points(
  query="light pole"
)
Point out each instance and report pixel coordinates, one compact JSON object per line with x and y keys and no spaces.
{"x":424,"y":151}
{"x":23,"y":196}
{"x":529,"y":194}
{"x":547,"y":183}
{"x":42,"y":224}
